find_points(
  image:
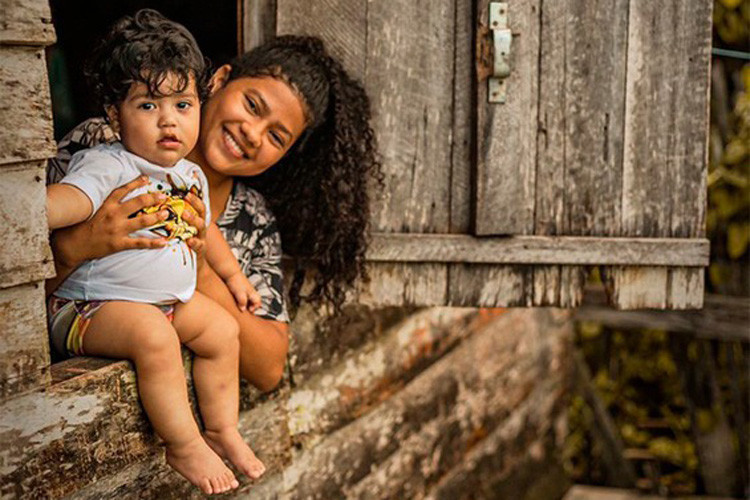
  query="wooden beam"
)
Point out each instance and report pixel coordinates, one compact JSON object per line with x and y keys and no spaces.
{"x":691,"y":252}
{"x":723,"y":317}
{"x":619,"y":471}
{"x":258,"y":23}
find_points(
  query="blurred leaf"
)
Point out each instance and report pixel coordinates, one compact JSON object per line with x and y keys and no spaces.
{"x":590,"y":329}
{"x":668,"y":450}
{"x":730,"y":4}
{"x":735,"y":152}
{"x":738,"y":236}
{"x":705,"y":420}
{"x":745,"y":72}
{"x":719,"y":274}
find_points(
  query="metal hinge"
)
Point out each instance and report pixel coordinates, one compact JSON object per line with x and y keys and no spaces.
{"x":501,"y":40}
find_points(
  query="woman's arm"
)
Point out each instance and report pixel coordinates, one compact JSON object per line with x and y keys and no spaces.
{"x":107,"y":232}
{"x":263,"y":342}
{"x":221,"y":259}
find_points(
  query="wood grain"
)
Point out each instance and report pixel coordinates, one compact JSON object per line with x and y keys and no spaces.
{"x":26,"y":22}
{"x":506,"y":133}
{"x":538,"y":250}
{"x":25,"y":256}
{"x":342,"y":24}
{"x":258,"y":22}
{"x":25,"y":109}
{"x":665,"y":148}
{"x":409,"y":77}
{"x":24,"y":347}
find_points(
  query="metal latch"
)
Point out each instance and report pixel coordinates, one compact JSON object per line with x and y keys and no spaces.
{"x":501,"y":38}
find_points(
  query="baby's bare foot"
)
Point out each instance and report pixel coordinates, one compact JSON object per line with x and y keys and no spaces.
{"x":201,"y":466}
{"x":228,"y":443}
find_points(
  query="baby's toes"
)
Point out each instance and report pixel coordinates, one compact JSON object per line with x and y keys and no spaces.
{"x":232,"y":481}
{"x":206,"y":486}
{"x":218,"y":485}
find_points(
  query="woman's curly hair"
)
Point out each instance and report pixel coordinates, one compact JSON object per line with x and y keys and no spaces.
{"x":145,"y":47}
{"x":318,"y":191}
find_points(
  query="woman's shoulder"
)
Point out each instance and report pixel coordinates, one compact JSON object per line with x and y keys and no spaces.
{"x":85,"y":135}
{"x":250,"y":201}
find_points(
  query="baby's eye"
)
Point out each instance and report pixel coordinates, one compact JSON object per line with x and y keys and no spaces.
{"x":147,"y":106}
{"x":183,"y":105}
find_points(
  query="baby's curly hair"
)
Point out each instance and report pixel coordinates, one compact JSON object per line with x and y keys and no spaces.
{"x":145,"y":47}
{"x":318,"y":191}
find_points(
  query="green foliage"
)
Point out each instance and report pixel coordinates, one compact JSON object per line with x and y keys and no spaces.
{"x":728,"y":217}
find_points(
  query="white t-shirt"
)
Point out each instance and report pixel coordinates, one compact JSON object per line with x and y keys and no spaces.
{"x":149,"y":275}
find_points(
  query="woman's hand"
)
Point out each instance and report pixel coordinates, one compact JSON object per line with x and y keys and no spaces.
{"x":245,"y":294}
{"x":108,"y":230}
{"x":197,"y":219}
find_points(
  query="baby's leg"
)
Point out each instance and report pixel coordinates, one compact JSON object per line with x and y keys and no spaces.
{"x":142,"y":334}
{"x":213,"y":335}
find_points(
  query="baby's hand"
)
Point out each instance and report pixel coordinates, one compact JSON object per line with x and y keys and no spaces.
{"x":245,"y":294}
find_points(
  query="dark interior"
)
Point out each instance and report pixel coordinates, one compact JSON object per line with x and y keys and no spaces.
{"x":80,"y":24}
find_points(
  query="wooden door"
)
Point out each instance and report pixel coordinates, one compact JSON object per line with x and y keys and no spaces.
{"x":597,"y":157}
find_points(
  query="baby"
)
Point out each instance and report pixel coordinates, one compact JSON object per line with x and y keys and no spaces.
{"x":142,"y":304}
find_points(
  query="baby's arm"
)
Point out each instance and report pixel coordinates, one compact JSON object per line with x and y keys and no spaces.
{"x":66,"y":205}
{"x":222,"y":260}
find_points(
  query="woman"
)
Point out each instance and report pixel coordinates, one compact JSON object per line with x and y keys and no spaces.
{"x":288,"y":105}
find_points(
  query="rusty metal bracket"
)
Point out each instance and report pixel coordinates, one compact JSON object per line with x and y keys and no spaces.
{"x":501,"y":42}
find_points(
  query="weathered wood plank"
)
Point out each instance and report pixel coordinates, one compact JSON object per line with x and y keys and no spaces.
{"x":409,"y":77}
{"x":404,"y":284}
{"x":596,"y":53}
{"x":493,"y":379}
{"x":319,"y":341}
{"x":463,"y":126}
{"x":581,"y":119}
{"x":25,"y":256}
{"x":342,"y":24}
{"x":265,"y":429}
{"x":26,"y":22}
{"x":506,"y":133}
{"x":722,"y":317}
{"x":258,"y":22}
{"x":91,"y":421}
{"x":665,"y":149}
{"x":500,"y":466}
{"x":619,"y":472}
{"x":580,"y":492}
{"x":489,"y":285}
{"x":24,"y":348}
{"x":344,"y":391}
{"x":537,"y":250}
{"x":25,"y":110}
{"x":550,"y":286}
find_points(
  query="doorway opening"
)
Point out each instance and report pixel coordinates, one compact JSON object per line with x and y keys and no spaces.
{"x":81,"y":24}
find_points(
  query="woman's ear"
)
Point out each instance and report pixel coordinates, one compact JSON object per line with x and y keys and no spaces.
{"x":219,"y":78}
{"x":113,"y":117}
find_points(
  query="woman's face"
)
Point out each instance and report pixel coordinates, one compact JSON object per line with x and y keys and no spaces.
{"x":248,"y":123}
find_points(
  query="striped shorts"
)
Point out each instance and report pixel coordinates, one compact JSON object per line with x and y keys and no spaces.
{"x":68,"y":320}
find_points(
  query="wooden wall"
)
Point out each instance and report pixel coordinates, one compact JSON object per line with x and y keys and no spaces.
{"x":26,"y":141}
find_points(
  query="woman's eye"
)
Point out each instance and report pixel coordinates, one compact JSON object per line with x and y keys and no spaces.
{"x":251,"y":104}
{"x":277,"y":139}
{"x":147,"y":106}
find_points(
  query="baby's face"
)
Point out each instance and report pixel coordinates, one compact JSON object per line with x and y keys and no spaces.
{"x":162,"y":129}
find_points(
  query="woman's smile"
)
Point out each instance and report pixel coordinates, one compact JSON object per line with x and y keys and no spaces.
{"x":233,"y":147}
